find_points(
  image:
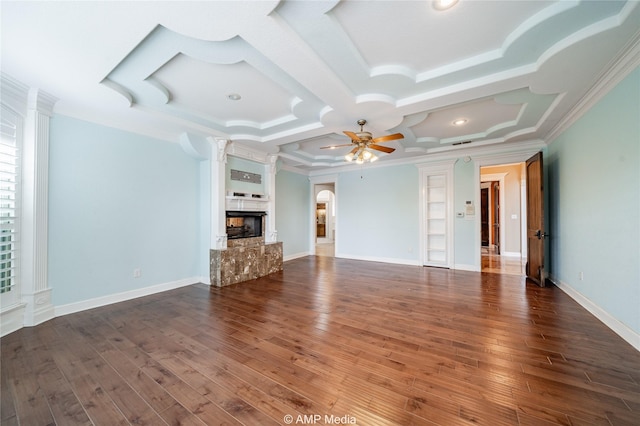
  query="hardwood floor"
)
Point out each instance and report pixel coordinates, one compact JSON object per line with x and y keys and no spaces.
{"x":368,"y":343}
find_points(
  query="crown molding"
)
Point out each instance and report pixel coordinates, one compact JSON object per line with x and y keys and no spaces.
{"x":618,"y":69}
{"x":14,"y":93}
{"x":240,"y":151}
{"x":20,"y":97}
{"x":506,"y":150}
{"x":293,"y":169}
{"x":439,"y":164}
{"x":41,"y":101}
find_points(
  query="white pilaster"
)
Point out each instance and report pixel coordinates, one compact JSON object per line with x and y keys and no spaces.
{"x":219,"y":149}
{"x":36,"y":293}
{"x":271,"y":234}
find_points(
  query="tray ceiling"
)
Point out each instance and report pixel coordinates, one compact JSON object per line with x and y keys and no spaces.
{"x":307,"y":71}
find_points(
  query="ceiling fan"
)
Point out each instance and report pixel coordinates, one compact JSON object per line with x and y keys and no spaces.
{"x":364,"y":142}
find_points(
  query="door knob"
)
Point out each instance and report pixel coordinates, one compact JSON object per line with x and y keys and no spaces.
{"x":541,"y":235}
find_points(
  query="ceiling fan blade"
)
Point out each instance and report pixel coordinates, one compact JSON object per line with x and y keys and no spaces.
{"x":381,"y":148}
{"x":387,"y":138}
{"x":335,"y":146}
{"x":352,"y":135}
{"x":354,"y":150}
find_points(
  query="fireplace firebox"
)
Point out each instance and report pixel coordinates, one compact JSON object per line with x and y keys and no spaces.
{"x":242,"y":224}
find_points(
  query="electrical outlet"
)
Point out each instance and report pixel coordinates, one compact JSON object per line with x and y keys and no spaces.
{"x":137,"y":273}
{"x":581,"y":275}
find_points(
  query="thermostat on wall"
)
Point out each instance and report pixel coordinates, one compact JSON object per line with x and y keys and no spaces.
{"x":470,"y":209}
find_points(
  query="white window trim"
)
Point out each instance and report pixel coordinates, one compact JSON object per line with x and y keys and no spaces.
{"x":36,"y":108}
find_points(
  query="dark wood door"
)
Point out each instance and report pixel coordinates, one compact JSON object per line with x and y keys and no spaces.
{"x":484,"y":216}
{"x":535,"y":221}
{"x":495,"y":193}
{"x":321,"y":220}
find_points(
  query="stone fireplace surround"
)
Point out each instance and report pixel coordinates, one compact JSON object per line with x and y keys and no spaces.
{"x":244,"y":258}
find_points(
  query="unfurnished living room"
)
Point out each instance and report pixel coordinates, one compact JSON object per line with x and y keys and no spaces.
{"x":320,"y":212}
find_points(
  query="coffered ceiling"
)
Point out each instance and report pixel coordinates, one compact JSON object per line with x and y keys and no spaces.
{"x":305,"y":71}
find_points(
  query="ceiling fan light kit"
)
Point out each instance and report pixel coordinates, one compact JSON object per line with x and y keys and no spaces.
{"x":361,"y":156}
{"x":364,"y":144}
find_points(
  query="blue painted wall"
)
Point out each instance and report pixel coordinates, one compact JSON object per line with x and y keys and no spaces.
{"x":464,"y":229}
{"x":293,"y":213}
{"x":118,"y":201}
{"x":204,"y":231}
{"x":243,"y":165}
{"x":594,"y":203}
{"x":378,"y":214}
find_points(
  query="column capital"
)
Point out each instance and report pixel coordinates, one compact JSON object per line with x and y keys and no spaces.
{"x":221,"y":146}
{"x":272,"y":162}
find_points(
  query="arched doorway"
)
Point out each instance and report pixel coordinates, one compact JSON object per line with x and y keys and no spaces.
{"x":325,"y":219}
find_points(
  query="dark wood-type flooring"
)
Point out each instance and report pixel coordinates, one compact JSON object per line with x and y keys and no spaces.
{"x":371,"y":343}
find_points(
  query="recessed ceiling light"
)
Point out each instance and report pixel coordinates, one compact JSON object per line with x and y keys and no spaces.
{"x":460,"y":122}
{"x":234,"y":97}
{"x":443,"y":4}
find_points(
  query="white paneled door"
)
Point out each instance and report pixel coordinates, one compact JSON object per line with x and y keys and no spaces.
{"x":436,"y":199}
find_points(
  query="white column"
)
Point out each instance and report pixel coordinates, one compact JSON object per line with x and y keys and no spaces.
{"x":218,"y":179}
{"x":36,"y":293}
{"x":271,"y":234}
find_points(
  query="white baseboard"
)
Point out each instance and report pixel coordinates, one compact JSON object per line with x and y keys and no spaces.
{"x":39,"y":307}
{"x":511,"y":254}
{"x":11,"y":319}
{"x":121,"y":297}
{"x":622,"y":330}
{"x":295,"y":256}
{"x":410,"y":262}
{"x":324,"y":240}
{"x":465,"y":267}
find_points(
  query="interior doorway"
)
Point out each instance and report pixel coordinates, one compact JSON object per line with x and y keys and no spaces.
{"x":490,"y":216}
{"x":502,"y":218}
{"x":325,"y":220}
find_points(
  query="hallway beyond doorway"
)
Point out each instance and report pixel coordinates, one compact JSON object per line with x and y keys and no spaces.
{"x":325,"y":249}
{"x":509,"y":265}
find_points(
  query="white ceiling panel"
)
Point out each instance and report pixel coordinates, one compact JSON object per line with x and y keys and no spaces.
{"x":306,"y":71}
{"x":205,"y":88}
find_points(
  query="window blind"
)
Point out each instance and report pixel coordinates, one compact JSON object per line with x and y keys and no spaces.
{"x":9,"y":169}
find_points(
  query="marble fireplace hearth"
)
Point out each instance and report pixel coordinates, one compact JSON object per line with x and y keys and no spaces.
{"x":244,"y":259}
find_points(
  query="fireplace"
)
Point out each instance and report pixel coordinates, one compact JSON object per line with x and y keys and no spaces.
{"x":243,"y":224}
{"x":246,"y":256}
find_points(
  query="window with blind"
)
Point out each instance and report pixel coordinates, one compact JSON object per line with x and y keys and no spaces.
{"x":9,"y":169}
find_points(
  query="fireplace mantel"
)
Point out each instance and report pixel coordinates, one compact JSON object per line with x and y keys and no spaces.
{"x":244,"y":201}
